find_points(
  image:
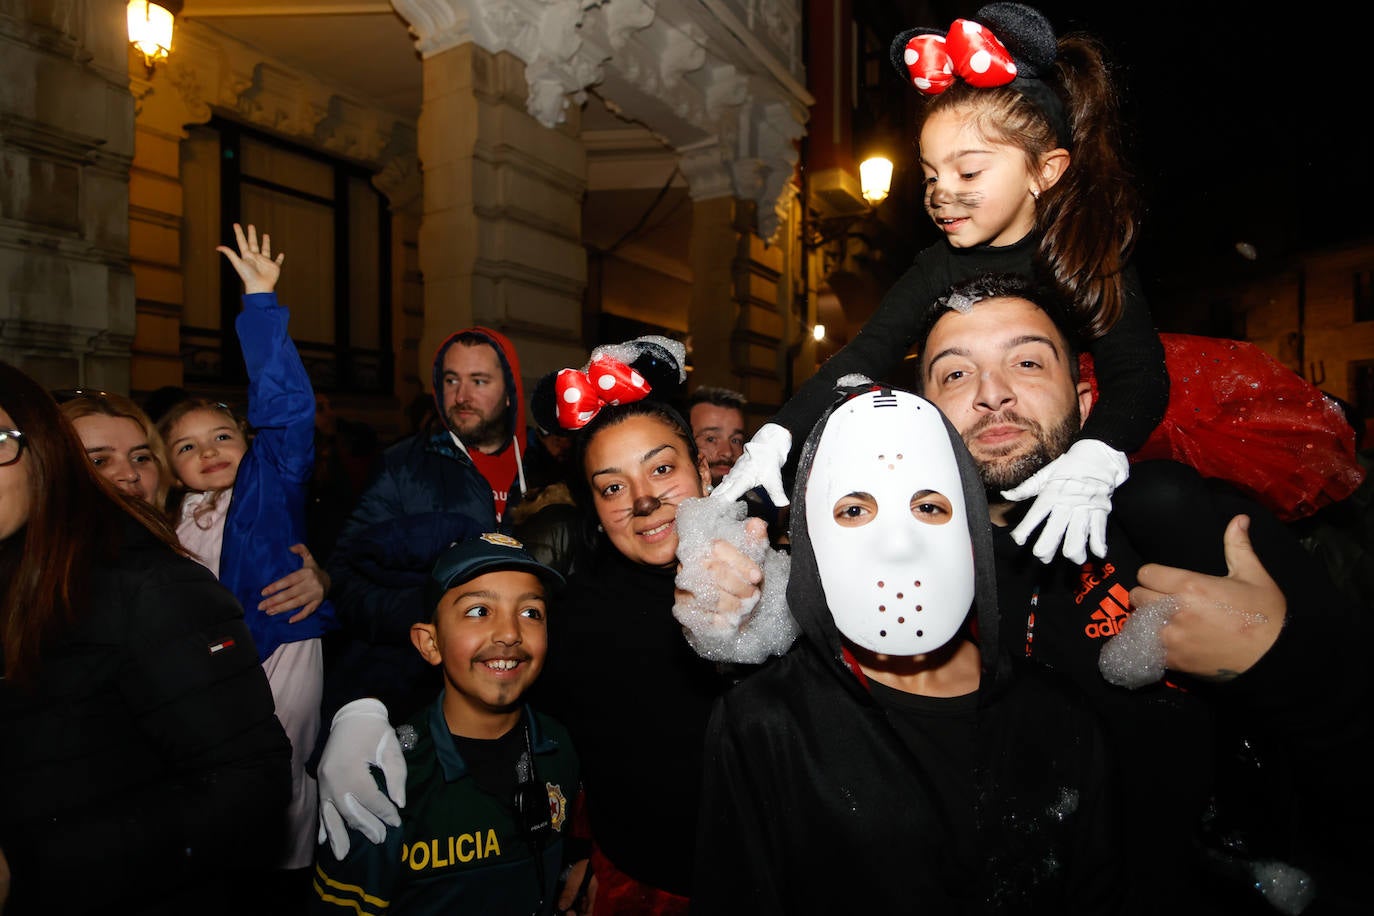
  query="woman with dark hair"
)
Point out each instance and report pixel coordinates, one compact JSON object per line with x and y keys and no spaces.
{"x":141,"y":762}
{"x":620,"y":676}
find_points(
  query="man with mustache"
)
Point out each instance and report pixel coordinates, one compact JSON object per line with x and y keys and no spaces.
{"x":1261,"y":691}
{"x":717,"y":418}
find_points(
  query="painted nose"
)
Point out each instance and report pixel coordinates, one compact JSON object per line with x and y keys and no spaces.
{"x":937,"y":195}
{"x":646,"y":505}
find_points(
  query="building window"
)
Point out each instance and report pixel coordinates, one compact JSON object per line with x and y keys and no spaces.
{"x":334,"y":227}
{"x":1364,"y":295}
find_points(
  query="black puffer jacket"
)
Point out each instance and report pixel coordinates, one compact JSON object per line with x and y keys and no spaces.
{"x":144,"y":769}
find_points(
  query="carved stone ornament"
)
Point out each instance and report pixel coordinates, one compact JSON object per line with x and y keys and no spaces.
{"x":721,"y":80}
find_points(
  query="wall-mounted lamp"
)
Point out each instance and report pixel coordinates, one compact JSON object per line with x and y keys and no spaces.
{"x":875,"y":177}
{"x":150,"y":28}
{"x":818,"y":332}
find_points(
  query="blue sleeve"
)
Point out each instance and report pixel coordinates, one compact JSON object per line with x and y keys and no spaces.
{"x":281,"y":400}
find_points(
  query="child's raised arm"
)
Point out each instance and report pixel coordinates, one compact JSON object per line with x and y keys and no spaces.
{"x":253,"y":262}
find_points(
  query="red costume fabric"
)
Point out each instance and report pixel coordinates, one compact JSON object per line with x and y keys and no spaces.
{"x":1237,"y":413}
{"x":617,"y":894}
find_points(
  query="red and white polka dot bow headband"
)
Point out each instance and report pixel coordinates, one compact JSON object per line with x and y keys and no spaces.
{"x":969,"y":51}
{"x":607,"y":381}
{"x":1002,"y":44}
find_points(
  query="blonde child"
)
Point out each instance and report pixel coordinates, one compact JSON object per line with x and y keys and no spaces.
{"x":243,"y":513}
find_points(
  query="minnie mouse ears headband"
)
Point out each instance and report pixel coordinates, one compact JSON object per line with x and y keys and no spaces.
{"x":569,"y":399}
{"x":1003,"y":44}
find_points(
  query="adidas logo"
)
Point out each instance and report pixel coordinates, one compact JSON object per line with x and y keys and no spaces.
{"x":1111,"y":614}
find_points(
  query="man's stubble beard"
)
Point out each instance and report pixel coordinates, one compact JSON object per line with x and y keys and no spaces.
{"x":1004,"y":473}
{"x":487,"y":434}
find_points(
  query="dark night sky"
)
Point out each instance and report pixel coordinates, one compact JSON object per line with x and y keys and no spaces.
{"x":1241,"y":126}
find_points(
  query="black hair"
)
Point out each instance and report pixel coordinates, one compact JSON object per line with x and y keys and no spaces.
{"x":720,"y":397}
{"x":964,"y":295}
{"x":614,"y":416}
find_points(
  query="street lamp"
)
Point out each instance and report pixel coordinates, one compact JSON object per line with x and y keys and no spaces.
{"x":150,"y":28}
{"x":875,"y":178}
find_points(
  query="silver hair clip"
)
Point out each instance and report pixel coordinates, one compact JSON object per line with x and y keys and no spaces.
{"x":960,"y":302}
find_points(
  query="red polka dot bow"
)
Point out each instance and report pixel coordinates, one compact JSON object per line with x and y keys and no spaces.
{"x":607,"y":381}
{"x":970,"y":52}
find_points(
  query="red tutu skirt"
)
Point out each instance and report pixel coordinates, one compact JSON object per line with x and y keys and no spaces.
{"x":1238,"y":414}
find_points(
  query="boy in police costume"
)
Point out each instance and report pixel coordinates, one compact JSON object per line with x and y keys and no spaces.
{"x":491,"y":783}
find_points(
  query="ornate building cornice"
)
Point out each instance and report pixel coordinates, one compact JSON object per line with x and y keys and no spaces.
{"x":720,"y":80}
{"x":210,"y":71}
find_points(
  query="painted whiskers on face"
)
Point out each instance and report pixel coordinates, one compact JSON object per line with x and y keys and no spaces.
{"x":639,"y":471}
{"x":969,"y":199}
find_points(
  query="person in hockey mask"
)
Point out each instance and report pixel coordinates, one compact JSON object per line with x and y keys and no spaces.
{"x":894,"y":744}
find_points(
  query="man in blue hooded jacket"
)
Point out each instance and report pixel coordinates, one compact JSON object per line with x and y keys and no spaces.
{"x":431,"y":489}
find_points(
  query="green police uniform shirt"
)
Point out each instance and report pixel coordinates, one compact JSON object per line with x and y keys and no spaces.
{"x":460,"y":847}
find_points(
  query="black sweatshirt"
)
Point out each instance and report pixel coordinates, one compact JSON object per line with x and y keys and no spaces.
{"x":1215,"y":777}
{"x":635,"y":698}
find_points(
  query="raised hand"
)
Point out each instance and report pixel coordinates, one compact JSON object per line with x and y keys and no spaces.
{"x":253,"y":262}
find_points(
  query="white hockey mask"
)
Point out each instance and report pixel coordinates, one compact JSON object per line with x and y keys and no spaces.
{"x":888,"y":524}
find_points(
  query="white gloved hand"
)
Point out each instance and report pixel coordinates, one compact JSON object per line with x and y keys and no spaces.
{"x":360,"y":737}
{"x":1073,"y":498}
{"x":760,"y":465}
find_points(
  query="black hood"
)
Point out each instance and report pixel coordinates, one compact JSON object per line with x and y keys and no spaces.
{"x":806,"y":597}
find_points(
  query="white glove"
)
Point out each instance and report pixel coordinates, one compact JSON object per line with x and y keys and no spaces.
{"x":760,"y":465}
{"x":360,"y":737}
{"x":1073,"y":497}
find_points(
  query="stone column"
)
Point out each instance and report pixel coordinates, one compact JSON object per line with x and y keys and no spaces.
{"x":714,"y":313}
{"x":742,"y":316}
{"x":500,"y":238}
{"x":66,"y":142}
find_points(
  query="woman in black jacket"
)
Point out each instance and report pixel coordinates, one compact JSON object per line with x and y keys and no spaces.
{"x":141,"y":766}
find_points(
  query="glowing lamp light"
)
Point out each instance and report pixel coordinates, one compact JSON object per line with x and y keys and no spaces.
{"x":875,"y":177}
{"x":150,"y":29}
{"x":818,"y":332}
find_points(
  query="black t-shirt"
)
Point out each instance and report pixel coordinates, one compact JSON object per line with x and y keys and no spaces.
{"x":941,"y":732}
